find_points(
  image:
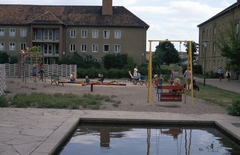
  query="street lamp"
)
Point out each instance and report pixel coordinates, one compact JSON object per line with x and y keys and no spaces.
{"x":205,"y":42}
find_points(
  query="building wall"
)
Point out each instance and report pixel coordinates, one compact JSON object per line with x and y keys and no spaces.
{"x":210,"y":31}
{"x":132,"y":40}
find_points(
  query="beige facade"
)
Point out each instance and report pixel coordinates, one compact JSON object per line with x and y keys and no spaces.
{"x":209,"y":31}
{"x":61,"y":31}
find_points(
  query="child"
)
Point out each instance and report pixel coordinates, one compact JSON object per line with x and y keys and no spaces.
{"x":155,"y":81}
{"x":176,"y":82}
{"x":195,"y":86}
{"x":87,"y":80}
{"x":34,"y":74}
{"x":160,"y":80}
{"x":41,"y":71}
{"x":72,"y":77}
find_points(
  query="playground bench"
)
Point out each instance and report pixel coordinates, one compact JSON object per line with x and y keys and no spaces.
{"x":142,"y":81}
{"x":170,"y":93}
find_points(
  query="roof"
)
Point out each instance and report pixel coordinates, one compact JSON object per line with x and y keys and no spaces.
{"x":67,"y":15}
{"x":225,"y":11}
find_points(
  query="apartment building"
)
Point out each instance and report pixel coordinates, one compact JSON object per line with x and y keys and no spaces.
{"x":208,"y":31}
{"x":61,"y":31}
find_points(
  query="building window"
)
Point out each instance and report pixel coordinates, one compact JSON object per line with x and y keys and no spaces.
{"x":38,"y":35}
{"x":84,"y":48}
{"x":95,"y":33}
{"x":48,"y":49}
{"x":72,"y":48}
{"x":23,"y":32}
{"x":1,"y":46}
{"x":2,"y":32}
{"x":106,"y":34}
{"x":11,"y":46}
{"x":22,"y":46}
{"x":95,"y":48}
{"x":12,"y":32}
{"x":72,"y":33}
{"x":84,"y":33}
{"x":56,"y":34}
{"x":214,"y":30}
{"x":117,"y":34}
{"x":105,"y":48}
{"x":117,"y":48}
{"x":48,"y":34}
{"x":56,"y":48}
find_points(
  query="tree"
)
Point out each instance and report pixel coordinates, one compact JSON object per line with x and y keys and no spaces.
{"x":165,"y":53}
{"x":117,"y":61}
{"x":195,"y":48}
{"x":82,"y":61}
{"x":228,"y":42}
{"x":5,"y":58}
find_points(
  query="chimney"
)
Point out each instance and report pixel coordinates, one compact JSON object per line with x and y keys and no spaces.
{"x":106,"y":7}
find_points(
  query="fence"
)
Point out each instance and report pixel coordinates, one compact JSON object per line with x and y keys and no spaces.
{"x":11,"y":70}
{"x":2,"y":79}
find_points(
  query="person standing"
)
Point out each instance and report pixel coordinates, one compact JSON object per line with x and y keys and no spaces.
{"x":187,"y":74}
{"x":220,"y":73}
{"x":155,"y":81}
{"x":228,"y":75}
{"x":41,"y":72}
{"x":34,"y":74}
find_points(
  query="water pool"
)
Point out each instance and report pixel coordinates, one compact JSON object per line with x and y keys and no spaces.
{"x":96,"y":139}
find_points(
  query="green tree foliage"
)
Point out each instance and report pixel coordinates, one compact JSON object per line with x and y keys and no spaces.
{"x":82,"y":61}
{"x":5,"y":58}
{"x":165,"y":54}
{"x":117,"y":61}
{"x":35,"y":49}
{"x":195,"y":48}
{"x":228,"y":42}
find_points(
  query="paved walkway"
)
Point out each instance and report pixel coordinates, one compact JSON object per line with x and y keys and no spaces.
{"x":38,"y":131}
{"x":233,"y":85}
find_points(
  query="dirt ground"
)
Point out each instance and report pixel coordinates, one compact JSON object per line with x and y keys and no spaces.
{"x":132,"y":97}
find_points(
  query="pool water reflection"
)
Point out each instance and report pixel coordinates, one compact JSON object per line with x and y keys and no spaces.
{"x":152,"y":140}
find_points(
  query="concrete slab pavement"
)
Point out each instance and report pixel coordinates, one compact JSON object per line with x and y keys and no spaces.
{"x":39,"y":131}
{"x":33,"y":131}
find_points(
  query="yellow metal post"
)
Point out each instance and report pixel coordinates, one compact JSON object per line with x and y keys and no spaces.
{"x":150,"y":74}
{"x":150,"y":68}
{"x":191,"y":62}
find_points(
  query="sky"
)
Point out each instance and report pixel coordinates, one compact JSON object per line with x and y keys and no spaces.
{"x":168,"y":19}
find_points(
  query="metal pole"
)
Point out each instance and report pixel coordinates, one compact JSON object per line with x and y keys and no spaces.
{"x":204,"y":80}
{"x":91,"y":88}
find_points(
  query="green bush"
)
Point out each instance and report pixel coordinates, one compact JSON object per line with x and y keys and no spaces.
{"x":3,"y":101}
{"x":212,"y":74}
{"x":234,"y":109}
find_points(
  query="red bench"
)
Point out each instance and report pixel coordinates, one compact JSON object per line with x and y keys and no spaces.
{"x":170,"y":93}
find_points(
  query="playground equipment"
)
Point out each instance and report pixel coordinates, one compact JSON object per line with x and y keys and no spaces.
{"x":26,"y":61}
{"x":150,"y":69}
